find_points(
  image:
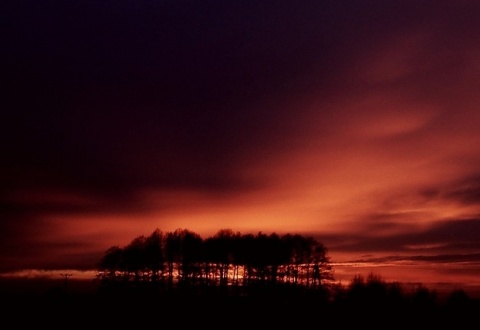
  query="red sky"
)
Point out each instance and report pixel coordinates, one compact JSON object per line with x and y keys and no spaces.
{"x":355,"y":122}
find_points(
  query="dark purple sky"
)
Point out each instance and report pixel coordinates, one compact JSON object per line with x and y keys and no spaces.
{"x":355,"y":121}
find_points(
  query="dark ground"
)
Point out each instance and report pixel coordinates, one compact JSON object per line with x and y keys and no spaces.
{"x":81,"y":304}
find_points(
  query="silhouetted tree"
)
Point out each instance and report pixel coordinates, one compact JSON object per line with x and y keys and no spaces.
{"x":221,"y":253}
{"x":191,"y":254}
{"x":277,"y":255}
{"x":134,"y":257}
{"x":111,"y":263}
{"x":424,"y":298}
{"x":155,"y":254}
{"x":172,"y":252}
{"x":458,"y":299}
{"x":322,"y":267}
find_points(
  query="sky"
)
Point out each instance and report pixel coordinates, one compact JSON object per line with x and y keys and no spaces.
{"x":356,"y":122}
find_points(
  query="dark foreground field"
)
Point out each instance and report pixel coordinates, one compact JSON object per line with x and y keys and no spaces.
{"x":116,"y":306}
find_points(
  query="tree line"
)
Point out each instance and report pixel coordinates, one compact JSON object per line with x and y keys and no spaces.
{"x":227,"y":258}
{"x":288,"y":271}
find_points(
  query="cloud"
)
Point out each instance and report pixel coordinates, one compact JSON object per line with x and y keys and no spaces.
{"x":465,"y":191}
{"x":454,"y":237}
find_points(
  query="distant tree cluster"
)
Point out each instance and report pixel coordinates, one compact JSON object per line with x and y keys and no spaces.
{"x":372,"y":294}
{"x":227,"y":258}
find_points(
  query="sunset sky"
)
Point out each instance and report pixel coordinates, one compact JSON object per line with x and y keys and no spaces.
{"x":356,"y":122}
